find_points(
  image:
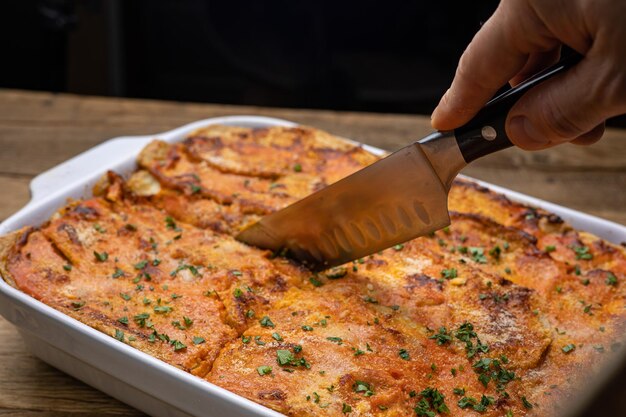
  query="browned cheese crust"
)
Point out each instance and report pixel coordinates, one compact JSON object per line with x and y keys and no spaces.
{"x":503,"y":313}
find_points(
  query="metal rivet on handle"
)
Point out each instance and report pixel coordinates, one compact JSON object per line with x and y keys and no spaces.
{"x":488,"y":133}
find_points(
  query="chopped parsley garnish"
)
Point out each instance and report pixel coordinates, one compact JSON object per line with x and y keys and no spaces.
{"x":171,"y":224}
{"x":307,"y":328}
{"x":398,"y":247}
{"x":549,"y":248}
{"x":101,"y":256}
{"x":140,"y":319}
{"x":125,"y":296}
{"x":266,"y":322}
{"x":178,"y":345}
{"x":99,"y":228}
{"x":478,"y":255}
{"x":245,"y":339}
{"x":197,"y":340}
{"x":188,"y":321}
{"x":276,"y":336}
{"x":67,"y":267}
{"x":336,"y":272}
{"x":459,"y":391}
{"x":495,"y":252}
{"x":481,"y":406}
{"x":370,"y":299}
{"x":141,"y":265}
{"x":432,"y":401}
{"x":611,"y":279}
{"x":466,"y":333}
{"x":119,"y":335}
{"x":404,"y":354}
{"x":297,"y":168}
{"x":442,"y":337}
{"x":363,"y":387}
{"x":345,"y":408}
{"x":162,"y":309}
{"x":449,"y":273}
{"x":568,"y":348}
{"x":489,"y":369}
{"x":237,"y":293}
{"x":582,"y":252}
{"x":77,"y":305}
{"x":123,"y":320}
{"x":250,"y":313}
{"x":195,"y":188}
{"x":258,"y":341}
{"x":118,"y":273}
{"x":526,"y":403}
{"x":284,"y":357}
{"x":316,"y":282}
{"x":337,"y":340}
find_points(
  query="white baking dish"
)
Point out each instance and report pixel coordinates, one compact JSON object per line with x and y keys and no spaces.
{"x":119,"y":370}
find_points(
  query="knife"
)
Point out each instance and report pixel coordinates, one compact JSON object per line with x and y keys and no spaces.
{"x":400,"y":197}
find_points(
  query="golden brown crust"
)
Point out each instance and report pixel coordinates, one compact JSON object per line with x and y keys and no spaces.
{"x":507,"y":310}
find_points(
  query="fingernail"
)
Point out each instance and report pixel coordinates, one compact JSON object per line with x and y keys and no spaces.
{"x":523,"y":131}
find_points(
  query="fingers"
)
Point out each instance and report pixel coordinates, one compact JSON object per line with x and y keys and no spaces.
{"x":535,"y":63}
{"x":497,"y":53}
{"x":564,"y":108}
{"x":590,"y":137}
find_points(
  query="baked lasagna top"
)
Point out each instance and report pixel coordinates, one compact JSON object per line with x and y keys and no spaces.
{"x":501,"y":314}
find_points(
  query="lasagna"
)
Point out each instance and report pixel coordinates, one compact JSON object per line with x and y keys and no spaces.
{"x":501,"y":314}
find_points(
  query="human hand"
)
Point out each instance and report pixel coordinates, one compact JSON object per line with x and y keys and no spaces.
{"x":523,"y":37}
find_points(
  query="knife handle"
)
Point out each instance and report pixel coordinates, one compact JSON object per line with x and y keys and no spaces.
{"x":485,"y":133}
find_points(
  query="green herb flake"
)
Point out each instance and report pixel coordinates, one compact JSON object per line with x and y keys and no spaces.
{"x":398,"y":248}
{"x":119,"y":335}
{"x":442,"y":337}
{"x":141,"y":265}
{"x":284,"y":357}
{"x":197,"y":340}
{"x":549,"y":248}
{"x":162,"y":309}
{"x":478,"y":255}
{"x":337,"y":340}
{"x":125,"y":296}
{"x":297,"y":168}
{"x":118,"y":273}
{"x":178,"y":345}
{"x":364,"y":388}
{"x":266,"y":322}
{"x":404,"y":354}
{"x":67,"y":267}
{"x":449,"y":273}
{"x":336,"y":272}
{"x":568,"y":348}
{"x":582,"y":252}
{"x":315,"y":282}
{"x":526,"y":403}
{"x":123,"y":320}
{"x":276,"y":336}
{"x":611,"y":279}
{"x":101,"y":256}
{"x":307,"y":328}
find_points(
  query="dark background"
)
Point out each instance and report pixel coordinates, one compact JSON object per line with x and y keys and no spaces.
{"x":382,"y":56}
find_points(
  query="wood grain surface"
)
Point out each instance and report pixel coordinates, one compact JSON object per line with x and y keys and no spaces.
{"x":40,"y":130}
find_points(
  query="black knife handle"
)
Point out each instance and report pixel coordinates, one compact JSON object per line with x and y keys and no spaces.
{"x":485,"y":133}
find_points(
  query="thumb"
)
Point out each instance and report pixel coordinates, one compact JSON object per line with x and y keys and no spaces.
{"x":561,"y":109}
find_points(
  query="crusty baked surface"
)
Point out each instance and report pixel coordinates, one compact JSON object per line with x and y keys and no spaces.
{"x":503,"y":313}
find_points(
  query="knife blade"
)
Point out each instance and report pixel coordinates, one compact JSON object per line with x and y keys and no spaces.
{"x":396,"y":199}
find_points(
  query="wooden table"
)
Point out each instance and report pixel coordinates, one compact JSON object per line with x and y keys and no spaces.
{"x":40,"y":130}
